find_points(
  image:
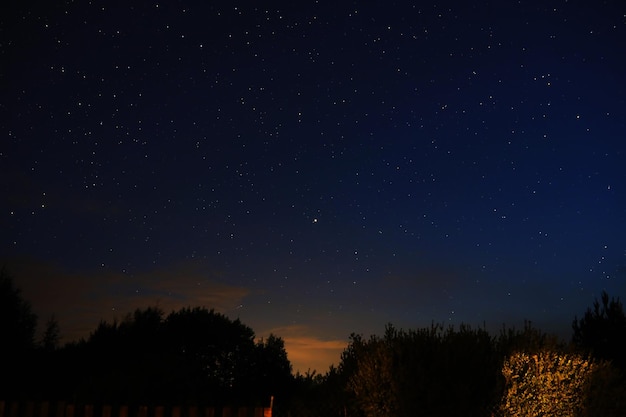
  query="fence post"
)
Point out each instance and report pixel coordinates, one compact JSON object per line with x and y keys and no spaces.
{"x":60,"y":409}
{"x":14,"y":409}
{"x":44,"y":409}
{"x":267,"y":412}
{"x":29,"y":409}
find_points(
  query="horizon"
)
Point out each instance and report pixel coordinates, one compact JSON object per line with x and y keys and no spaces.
{"x":307,"y":353}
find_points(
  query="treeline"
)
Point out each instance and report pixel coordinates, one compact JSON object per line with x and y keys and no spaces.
{"x":191,"y":356}
{"x":443,"y":371}
{"x":196,"y":356}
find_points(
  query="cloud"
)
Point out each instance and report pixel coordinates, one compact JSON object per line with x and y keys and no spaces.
{"x":306,"y":351}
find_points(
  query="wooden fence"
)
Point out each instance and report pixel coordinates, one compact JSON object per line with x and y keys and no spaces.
{"x":62,"y":409}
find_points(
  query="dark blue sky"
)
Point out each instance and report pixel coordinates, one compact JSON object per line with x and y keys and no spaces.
{"x":315,"y":168}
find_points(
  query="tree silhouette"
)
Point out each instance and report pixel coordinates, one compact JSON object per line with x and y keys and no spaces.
{"x":430,"y":371}
{"x":272,"y":369}
{"x":192,"y":356}
{"x":17,"y":331}
{"x":17,"y":321}
{"x":602,"y":331}
{"x":215,"y":352}
{"x":50,"y":338}
{"x":125,"y":361}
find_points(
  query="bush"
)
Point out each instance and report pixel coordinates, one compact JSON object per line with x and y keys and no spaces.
{"x":560,"y":384}
{"x":432,"y":371}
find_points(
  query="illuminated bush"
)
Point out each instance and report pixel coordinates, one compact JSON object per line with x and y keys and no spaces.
{"x":447,"y":373}
{"x":549,"y":383}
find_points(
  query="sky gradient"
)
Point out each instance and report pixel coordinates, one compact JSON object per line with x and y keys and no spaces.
{"x":315,"y":168}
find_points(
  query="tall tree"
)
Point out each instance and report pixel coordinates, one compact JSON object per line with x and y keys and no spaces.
{"x":17,"y":321}
{"x":602,"y":331}
{"x":216,"y":351}
{"x":126,"y":361}
{"x":17,"y":331}
{"x":272,"y":370}
{"x":50,"y":338}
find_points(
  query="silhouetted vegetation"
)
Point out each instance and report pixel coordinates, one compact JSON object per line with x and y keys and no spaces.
{"x":17,"y":331}
{"x":201,"y":357}
{"x":16,"y":317}
{"x":440,"y":371}
{"x":192,"y":356}
{"x":602,"y":331}
{"x":51,"y":335}
{"x":428,"y":371}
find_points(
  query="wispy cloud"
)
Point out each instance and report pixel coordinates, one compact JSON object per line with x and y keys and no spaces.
{"x":307,"y":350}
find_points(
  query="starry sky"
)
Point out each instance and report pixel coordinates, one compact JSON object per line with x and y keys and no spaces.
{"x":314,"y":168}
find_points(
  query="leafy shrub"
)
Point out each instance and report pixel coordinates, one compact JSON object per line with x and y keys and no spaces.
{"x":552,"y":383}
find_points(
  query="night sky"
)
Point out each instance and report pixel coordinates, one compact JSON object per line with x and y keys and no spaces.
{"x":314,"y":168}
